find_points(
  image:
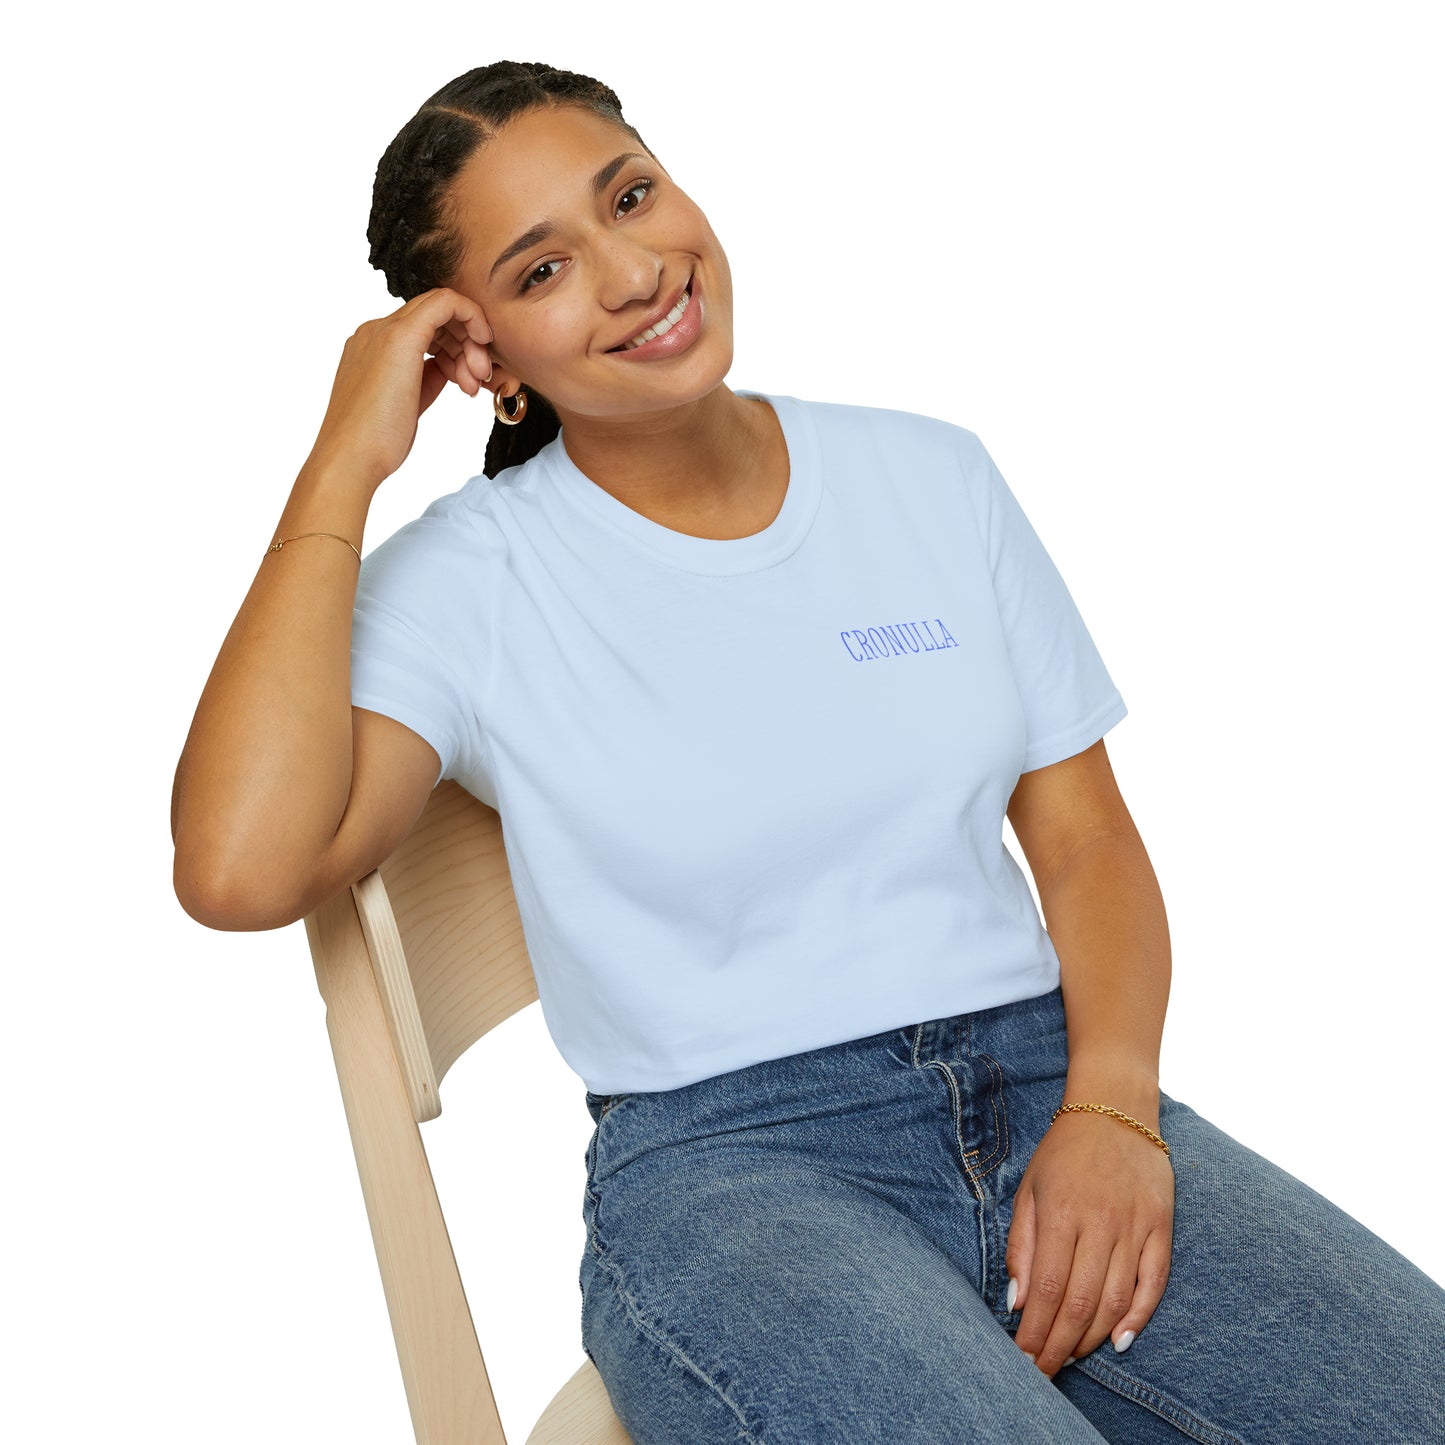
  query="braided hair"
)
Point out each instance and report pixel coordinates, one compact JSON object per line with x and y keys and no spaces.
{"x":413,"y":235}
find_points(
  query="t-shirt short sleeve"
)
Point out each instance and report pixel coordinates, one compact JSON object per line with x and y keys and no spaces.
{"x":1069,"y":699}
{"x":398,"y":635}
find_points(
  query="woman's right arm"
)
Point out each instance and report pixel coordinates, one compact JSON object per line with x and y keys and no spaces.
{"x":284,"y":792}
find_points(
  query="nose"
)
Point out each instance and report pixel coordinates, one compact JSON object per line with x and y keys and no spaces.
{"x":628,"y":272}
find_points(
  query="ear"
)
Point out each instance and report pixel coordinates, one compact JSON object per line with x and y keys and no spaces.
{"x":504,"y":380}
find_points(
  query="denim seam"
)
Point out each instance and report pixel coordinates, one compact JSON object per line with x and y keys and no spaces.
{"x":979,"y":1168}
{"x":660,"y":1341}
{"x":1000,"y":1121}
{"x":956,"y":1111}
{"x":593,"y":1195}
{"x":992,"y":1273}
{"x":1158,"y":1403}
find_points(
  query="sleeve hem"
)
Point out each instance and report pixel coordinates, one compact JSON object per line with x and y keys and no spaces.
{"x":1074,"y":740}
{"x":442,"y":743}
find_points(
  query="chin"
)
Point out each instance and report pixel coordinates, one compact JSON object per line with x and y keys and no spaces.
{"x":649,"y":391}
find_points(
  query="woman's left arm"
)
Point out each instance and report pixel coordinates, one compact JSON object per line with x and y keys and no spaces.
{"x":1090,"y":1240}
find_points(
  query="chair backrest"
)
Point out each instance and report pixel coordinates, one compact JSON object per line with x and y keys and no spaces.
{"x":441,"y":922}
{"x":416,"y":962}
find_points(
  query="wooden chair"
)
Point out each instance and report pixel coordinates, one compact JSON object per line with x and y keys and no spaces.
{"x":416,"y":962}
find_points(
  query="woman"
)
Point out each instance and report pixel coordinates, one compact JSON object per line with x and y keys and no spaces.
{"x":753,"y":683}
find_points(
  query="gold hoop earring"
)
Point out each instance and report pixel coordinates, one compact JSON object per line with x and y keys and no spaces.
{"x":509,"y":418}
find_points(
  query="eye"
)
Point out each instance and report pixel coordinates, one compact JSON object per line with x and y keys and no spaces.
{"x":639,"y":190}
{"x":540,"y":274}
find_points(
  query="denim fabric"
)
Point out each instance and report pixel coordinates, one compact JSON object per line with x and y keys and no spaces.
{"x":811,"y":1249}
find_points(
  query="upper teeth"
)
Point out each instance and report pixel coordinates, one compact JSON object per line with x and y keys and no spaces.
{"x":663,"y":326}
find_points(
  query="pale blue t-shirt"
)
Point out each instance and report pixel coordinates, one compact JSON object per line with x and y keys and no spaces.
{"x":752,"y":790}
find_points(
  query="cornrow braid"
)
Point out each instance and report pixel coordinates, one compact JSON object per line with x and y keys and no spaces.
{"x":414,"y":240}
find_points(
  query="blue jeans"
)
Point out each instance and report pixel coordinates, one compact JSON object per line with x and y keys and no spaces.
{"x":811,"y":1249}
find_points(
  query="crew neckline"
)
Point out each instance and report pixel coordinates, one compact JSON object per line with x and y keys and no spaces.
{"x":717,"y":556}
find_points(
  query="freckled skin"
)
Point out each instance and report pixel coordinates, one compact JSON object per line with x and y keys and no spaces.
{"x":665,"y":436}
{"x":613,"y":260}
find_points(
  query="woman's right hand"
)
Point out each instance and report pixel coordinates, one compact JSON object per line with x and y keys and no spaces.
{"x":285,"y":792}
{"x":391,"y":370}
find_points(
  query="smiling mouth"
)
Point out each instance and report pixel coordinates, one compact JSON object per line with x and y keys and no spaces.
{"x":662,"y":327}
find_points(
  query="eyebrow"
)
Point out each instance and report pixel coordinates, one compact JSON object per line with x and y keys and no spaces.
{"x":543,"y":229}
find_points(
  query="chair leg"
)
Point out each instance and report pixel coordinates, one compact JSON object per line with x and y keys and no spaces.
{"x":441,"y":1362}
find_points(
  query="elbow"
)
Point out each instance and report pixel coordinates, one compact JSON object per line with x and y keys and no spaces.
{"x":233,"y":899}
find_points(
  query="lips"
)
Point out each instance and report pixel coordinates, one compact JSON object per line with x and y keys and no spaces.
{"x":657,"y":327}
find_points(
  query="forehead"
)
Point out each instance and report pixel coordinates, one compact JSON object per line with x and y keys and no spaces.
{"x":534,"y":168}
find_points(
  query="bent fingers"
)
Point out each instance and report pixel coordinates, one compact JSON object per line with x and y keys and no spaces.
{"x":1153,"y":1278}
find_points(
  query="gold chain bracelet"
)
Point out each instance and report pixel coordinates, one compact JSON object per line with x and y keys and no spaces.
{"x":278,"y":545}
{"x":1144,"y":1129}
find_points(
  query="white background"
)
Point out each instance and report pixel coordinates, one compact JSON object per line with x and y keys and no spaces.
{"x":1180,"y":270}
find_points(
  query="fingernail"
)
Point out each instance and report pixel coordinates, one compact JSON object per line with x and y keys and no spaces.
{"x":1013,"y":1294}
{"x":1030,"y":1358}
{"x":1071,"y":1359}
{"x":1124,"y":1341}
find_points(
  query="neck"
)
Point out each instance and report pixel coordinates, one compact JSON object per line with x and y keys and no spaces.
{"x":699,"y":464}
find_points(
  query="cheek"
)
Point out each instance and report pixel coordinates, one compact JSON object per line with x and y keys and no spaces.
{"x":543,"y":343}
{"x":703,"y":226}
{"x":708,"y":242}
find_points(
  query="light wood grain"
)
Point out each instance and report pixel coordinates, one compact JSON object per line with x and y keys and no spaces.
{"x":580,"y":1411}
{"x":416,"y":962}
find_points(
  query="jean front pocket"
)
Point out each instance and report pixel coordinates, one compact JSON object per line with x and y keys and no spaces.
{"x":601,"y":1107}
{"x":612,"y":1134}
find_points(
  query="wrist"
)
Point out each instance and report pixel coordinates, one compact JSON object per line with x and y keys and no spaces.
{"x":332,"y":469}
{"x":1086,"y":1110}
{"x":1132,"y":1089}
{"x":327,"y":497}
